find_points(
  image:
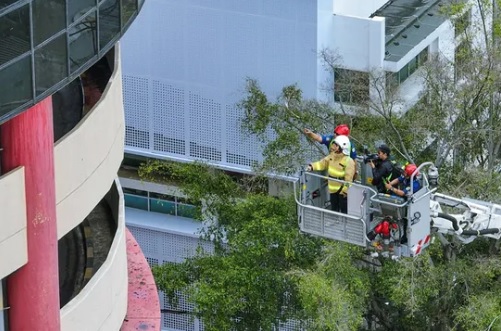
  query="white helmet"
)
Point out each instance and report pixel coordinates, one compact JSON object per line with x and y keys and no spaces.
{"x":344,"y":143}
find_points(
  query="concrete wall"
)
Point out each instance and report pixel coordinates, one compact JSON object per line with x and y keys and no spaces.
{"x":184,"y":68}
{"x":12,"y":222}
{"x":88,"y":157}
{"x":358,"y":8}
{"x":362,"y":48}
{"x":102,"y":304}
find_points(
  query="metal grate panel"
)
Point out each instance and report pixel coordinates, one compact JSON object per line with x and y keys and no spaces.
{"x":168,"y":118}
{"x":333,"y":226}
{"x":240,"y":149}
{"x":205,"y":127}
{"x":148,"y":241}
{"x":137,"y":106}
{"x":152,"y":262}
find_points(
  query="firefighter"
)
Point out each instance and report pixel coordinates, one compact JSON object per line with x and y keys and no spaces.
{"x":340,"y":130}
{"x":339,"y":165}
{"x":405,"y":182}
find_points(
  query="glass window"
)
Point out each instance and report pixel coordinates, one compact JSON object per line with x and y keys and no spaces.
{"x":14,"y":34}
{"x":129,"y":8}
{"x":83,"y":41}
{"x":392,"y":80}
{"x":19,"y":90}
{"x":404,"y":73}
{"x":351,"y":86}
{"x":109,"y":21}
{"x":51,"y":64}
{"x":413,"y":65}
{"x":48,"y":19}
{"x":6,"y":3}
{"x":135,"y":201}
{"x":423,"y":56}
{"x":135,"y":192}
{"x":78,"y":8}
{"x":188,"y":211}
{"x":163,"y":206}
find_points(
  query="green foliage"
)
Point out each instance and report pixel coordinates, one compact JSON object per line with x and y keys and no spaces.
{"x":334,"y":294}
{"x":279,"y":126}
{"x":473,"y":183}
{"x":245,"y":284}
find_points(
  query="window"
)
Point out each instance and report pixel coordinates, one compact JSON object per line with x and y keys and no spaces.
{"x":129,"y":8}
{"x":14,"y":34}
{"x":351,"y":86}
{"x":48,"y":19}
{"x":394,"y":79}
{"x":83,"y":41}
{"x":136,"y":198}
{"x":159,"y":203}
{"x":51,"y":65}
{"x":78,"y":8}
{"x":109,"y":21}
{"x":162,"y":203}
{"x":19,"y":75}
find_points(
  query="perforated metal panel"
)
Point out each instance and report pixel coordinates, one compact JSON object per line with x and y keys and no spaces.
{"x":176,"y":248}
{"x":149,"y":242}
{"x":205,"y":128}
{"x":185,"y":65}
{"x":328,"y":225}
{"x":240,"y":149}
{"x":169,"y":131}
{"x":152,"y":262}
{"x":178,"y":317}
{"x":136,"y":117}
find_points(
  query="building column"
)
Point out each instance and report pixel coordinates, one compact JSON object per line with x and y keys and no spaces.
{"x":33,"y":290}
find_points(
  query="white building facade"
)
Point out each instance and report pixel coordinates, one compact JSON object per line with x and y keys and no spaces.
{"x":185,"y":64}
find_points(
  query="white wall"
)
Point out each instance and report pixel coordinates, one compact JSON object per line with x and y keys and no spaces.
{"x":185,"y":65}
{"x":87,"y":159}
{"x":102,"y":303}
{"x":357,"y":8}
{"x":12,"y":222}
{"x":359,"y":41}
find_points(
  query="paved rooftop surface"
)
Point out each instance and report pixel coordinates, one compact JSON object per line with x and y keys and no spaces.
{"x":408,"y":22}
{"x":143,"y":309}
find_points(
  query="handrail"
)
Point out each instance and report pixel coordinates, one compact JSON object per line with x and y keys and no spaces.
{"x":427,"y":193}
{"x":373,"y":197}
{"x":398,"y":205}
{"x":332,"y":212}
{"x":342,"y":181}
{"x":421,"y":166}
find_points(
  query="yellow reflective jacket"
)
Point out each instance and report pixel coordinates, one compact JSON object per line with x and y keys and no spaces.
{"x":339,"y":166}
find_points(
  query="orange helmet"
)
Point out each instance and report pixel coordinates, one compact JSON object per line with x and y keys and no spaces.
{"x":409,"y":169}
{"x":342,"y":130}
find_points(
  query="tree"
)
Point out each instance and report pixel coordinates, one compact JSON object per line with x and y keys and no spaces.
{"x":246,"y":282}
{"x":263,"y":271}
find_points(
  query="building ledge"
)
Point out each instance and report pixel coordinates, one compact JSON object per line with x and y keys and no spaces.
{"x":407,"y":23}
{"x":143,"y":310}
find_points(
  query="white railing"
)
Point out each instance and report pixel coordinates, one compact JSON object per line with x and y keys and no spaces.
{"x":102,"y":303}
{"x":88,"y":157}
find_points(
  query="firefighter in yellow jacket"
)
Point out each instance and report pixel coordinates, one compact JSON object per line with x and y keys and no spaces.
{"x":341,"y":166}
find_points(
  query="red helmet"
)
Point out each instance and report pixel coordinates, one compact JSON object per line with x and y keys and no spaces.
{"x":342,"y":130}
{"x":409,"y":169}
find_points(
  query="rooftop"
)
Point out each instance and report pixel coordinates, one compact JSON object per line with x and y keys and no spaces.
{"x":408,"y":22}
